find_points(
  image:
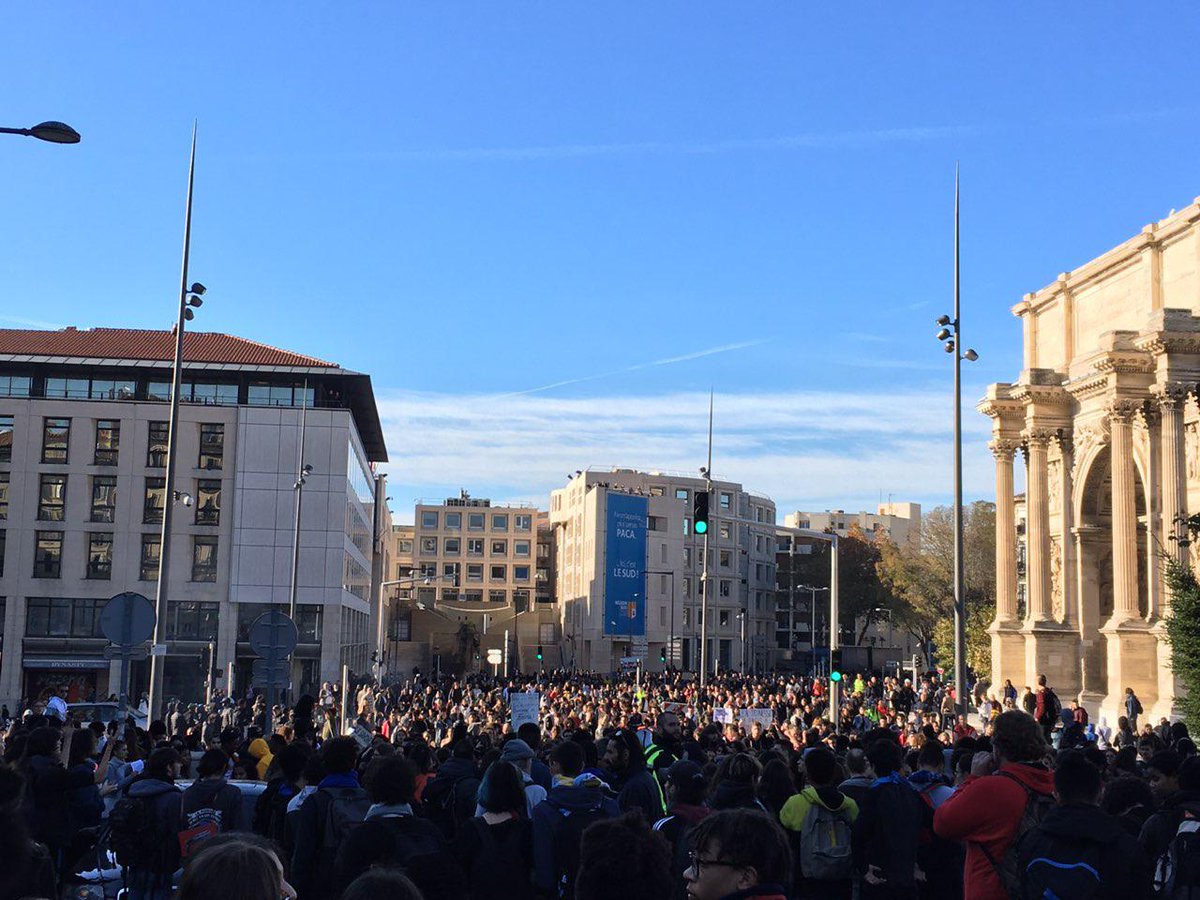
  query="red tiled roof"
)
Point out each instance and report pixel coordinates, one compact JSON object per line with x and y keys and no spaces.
{"x":147,"y":344}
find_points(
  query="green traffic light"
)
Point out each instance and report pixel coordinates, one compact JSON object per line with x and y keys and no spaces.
{"x":835,"y":676}
{"x":701,"y":527}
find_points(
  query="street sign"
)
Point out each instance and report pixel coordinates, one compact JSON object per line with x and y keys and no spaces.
{"x":158,"y":649}
{"x":127,"y":619}
{"x":112,"y":652}
{"x":639,"y":646}
{"x":270,"y":674}
{"x":274,"y":632}
{"x":495,"y":656}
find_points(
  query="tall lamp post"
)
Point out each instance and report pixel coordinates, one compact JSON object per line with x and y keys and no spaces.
{"x":189,"y":297}
{"x":51,"y":132}
{"x":951,"y":336}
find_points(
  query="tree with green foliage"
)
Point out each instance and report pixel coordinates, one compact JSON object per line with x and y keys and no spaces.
{"x":1183,"y":631}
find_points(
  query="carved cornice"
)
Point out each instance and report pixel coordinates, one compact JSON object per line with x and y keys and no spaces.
{"x":1038,"y":437}
{"x":1171,"y":396}
{"x":1124,"y":409}
{"x":1041,"y":394}
{"x":1125,"y":363}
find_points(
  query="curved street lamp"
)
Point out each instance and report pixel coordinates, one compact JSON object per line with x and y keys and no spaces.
{"x":52,"y":132}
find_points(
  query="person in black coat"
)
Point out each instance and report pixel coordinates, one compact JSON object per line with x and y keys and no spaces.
{"x":886,"y":833}
{"x":1077,"y":846}
{"x":636,"y":786}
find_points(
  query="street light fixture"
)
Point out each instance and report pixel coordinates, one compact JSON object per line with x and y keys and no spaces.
{"x":51,"y":132}
{"x":951,"y":334}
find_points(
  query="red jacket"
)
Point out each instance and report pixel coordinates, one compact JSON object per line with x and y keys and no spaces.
{"x":987,"y":810}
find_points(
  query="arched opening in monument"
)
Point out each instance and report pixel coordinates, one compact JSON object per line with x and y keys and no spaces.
{"x":1096,"y":564}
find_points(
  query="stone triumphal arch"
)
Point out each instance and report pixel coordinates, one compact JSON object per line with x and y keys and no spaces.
{"x":1105,"y":417}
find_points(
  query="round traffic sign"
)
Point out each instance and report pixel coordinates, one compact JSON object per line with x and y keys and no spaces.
{"x":127,"y":619}
{"x":274,"y":632}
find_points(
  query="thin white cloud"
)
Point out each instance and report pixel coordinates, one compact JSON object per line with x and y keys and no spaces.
{"x":804,"y":449}
{"x":32,"y":323}
{"x":698,"y":354}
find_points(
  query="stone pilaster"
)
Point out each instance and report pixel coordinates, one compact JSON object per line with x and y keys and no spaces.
{"x":1173,"y":497}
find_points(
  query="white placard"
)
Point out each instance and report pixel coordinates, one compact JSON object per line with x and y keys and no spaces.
{"x":722,"y":715}
{"x":749,"y":716}
{"x":524,"y":708}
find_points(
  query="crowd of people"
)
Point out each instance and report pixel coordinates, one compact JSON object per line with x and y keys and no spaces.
{"x":615,"y":786}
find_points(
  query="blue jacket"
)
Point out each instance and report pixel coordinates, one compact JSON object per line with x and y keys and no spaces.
{"x":548,"y":817}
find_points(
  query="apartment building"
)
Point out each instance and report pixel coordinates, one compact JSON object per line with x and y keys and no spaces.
{"x":469,"y":573}
{"x":901,"y":522}
{"x":83,"y":455}
{"x":740,"y":570}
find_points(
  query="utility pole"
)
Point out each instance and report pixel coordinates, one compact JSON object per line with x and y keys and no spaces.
{"x":704,"y":567}
{"x":960,"y":599}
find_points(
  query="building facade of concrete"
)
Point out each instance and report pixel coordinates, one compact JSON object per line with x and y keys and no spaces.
{"x":1105,"y":415}
{"x":83,"y":451}
{"x":740,"y":572}
{"x":901,"y":522}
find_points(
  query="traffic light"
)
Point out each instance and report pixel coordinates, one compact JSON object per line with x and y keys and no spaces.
{"x":539,"y":653}
{"x":700,"y":512}
{"x":835,"y":665}
{"x":662,"y":655}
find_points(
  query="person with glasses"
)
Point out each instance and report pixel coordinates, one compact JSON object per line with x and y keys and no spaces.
{"x":736,"y":854}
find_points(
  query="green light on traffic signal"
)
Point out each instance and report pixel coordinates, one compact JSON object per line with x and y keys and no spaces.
{"x":701,"y":527}
{"x":539,"y":653}
{"x":835,"y":676}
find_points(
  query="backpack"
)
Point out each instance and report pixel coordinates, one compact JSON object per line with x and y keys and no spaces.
{"x":345,"y":811}
{"x":1052,"y":707}
{"x":270,"y":811}
{"x":567,"y":839}
{"x":136,"y":835}
{"x":1008,"y":867}
{"x":1065,"y":868}
{"x":825,"y":844}
{"x":498,"y":869}
{"x":1177,"y":874}
{"x":450,"y":805}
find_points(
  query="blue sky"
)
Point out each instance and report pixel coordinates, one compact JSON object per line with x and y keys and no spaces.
{"x":621,"y":204}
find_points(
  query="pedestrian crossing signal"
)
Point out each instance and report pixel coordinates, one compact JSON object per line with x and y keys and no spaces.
{"x":700,"y":512}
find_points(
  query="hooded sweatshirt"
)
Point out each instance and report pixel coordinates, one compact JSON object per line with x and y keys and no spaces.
{"x":586,"y":794}
{"x":1083,"y":833}
{"x":212,"y":800}
{"x":262,"y":754}
{"x":164,"y":800}
{"x":797,"y":807}
{"x":987,"y":809}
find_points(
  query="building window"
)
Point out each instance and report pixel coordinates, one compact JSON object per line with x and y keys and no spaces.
{"x":449,"y":595}
{"x":687,"y":525}
{"x":474,"y":546}
{"x":108,"y":441}
{"x":725,"y":587}
{"x":656,"y":523}
{"x":15,"y":386}
{"x":723,"y":619}
{"x":428,"y":570}
{"x":154,"y":499}
{"x":499,"y":573}
{"x":429,"y":546}
{"x":263,"y":394}
{"x":453,"y":546}
{"x":681,"y":494}
{"x":687,"y":557}
{"x":520,"y":600}
{"x":450,"y":570}
{"x":520,"y":573}
{"x":405,"y":546}
{"x":188,"y":620}
{"x":475,"y":521}
{"x":523,"y":522}
{"x":204,"y":558}
{"x":151,"y":547}
{"x":52,"y":498}
{"x":208,"y":502}
{"x":212,"y":445}
{"x":725,"y":559}
{"x":4,"y":495}
{"x":56,"y":433}
{"x":429,"y":520}
{"x":454,"y":521}
{"x":499,"y":548}
{"x":104,"y":498}
{"x":47,"y":555}
{"x":100,"y":547}
{"x":6,"y":438}
{"x":687,"y":617}
{"x":497,"y":596}
{"x":521,"y":548}
{"x":657,"y":490}
{"x":156,"y":449}
{"x":63,"y":617}
{"x":725,"y":530}
{"x":474,"y":571}
{"x":67,"y":388}
{"x":726,"y":500}
{"x":687,"y":588}
{"x":499,"y":522}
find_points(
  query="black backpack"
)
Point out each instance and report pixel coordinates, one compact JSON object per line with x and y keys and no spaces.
{"x":1177,"y":873}
{"x":136,"y":834}
{"x":500,"y":868}
{"x":1008,"y":867}
{"x":567,"y":839}
{"x":1067,"y":868}
{"x":345,"y":809}
{"x":449,"y":804}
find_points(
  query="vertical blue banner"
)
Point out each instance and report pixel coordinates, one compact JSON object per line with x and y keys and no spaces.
{"x":625,"y":565}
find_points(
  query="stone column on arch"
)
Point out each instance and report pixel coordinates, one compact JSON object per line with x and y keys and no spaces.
{"x":1124,"y":512}
{"x":1008,"y":644}
{"x":1171,"y":398}
{"x":1037,"y":529}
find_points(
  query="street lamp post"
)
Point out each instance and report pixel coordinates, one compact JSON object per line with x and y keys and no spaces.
{"x":951,"y":335}
{"x":189,"y":297}
{"x":812,"y":612}
{"x":51,"y":132}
